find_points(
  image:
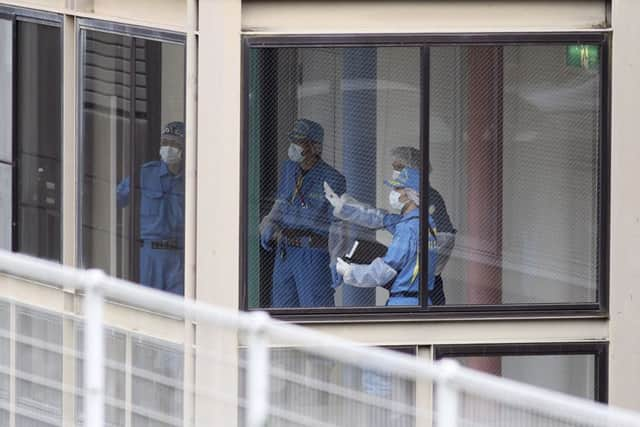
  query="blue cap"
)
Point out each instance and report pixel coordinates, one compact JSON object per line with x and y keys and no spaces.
{"x":409,"y":178}
{"x":306,"y":130}
{"x":173,"y":130}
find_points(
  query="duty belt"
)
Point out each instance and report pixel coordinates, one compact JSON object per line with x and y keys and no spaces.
{"x":405,"y":294}
{"x":171,"y":244}
{"x":303,"y":238}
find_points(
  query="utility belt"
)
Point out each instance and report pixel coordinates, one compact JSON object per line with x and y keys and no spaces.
{"x":405,"y":294}
{"x":303,"y":239}
{"x":169,"y":244}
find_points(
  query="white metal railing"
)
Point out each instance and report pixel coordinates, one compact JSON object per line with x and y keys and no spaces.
{"x":316,"y":379}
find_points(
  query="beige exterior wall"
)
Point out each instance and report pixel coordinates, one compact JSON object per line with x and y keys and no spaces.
{"x":406,"y":16}
{"x":624,"y":368}
{"x":213,"y":240}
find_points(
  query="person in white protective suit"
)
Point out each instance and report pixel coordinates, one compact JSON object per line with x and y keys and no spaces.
{"x":351,"y":210}
{"x":400,"y":265}
{"x":445,"y":232}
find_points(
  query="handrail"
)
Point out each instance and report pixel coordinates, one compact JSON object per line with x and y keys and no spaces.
{"x":444,"y":373}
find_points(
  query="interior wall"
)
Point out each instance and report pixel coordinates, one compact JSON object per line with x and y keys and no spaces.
{"x":173,"y":69}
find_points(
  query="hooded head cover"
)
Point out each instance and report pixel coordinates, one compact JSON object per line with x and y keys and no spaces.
{"x":306,"y":130}
{"x":173,"y":131}
{"x":409,"y":179}
{"x":408,"y":157}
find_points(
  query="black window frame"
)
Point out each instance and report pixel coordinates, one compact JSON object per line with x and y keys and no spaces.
{"x":597,"y":309}
{"x":134,"y":32}
{"x":598,"y":349}
{"x":14,"y":15}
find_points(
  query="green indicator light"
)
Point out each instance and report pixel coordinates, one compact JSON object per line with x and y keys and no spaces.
{"x":583,"y":55}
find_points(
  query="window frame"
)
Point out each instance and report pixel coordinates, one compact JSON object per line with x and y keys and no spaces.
{"x":597,"y":309}
{"x":599,"y":349}
{"x":133,"y":32}
{"x":14,"y":14}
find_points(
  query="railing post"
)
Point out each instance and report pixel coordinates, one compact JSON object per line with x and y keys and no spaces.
{"x":447,"y":396}
{"x":258,"y":373}
{"x":94,"y":352}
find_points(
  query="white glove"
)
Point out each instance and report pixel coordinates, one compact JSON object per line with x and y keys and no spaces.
{"x":335,"y":200}
{"x":342,"y":267}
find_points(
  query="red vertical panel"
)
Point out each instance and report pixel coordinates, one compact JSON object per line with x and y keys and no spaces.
{"x":485,"y":87}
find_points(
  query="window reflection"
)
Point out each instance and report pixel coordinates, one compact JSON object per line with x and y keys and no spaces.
{"x":30,"y":152}
{"x":134,"y":134}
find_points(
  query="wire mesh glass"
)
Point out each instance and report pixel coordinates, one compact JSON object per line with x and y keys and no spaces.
{"x":514,"y":140}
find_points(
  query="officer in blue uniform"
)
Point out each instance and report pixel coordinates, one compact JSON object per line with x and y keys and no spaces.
{"x":401,"y":263}
{"x":297,"y":227}
{"x":161,"y":213}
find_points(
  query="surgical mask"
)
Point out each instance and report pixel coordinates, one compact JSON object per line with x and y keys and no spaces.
{"x":395,"y":175}
{"x":394,"y":200}
{"x":295,"y":152}
{"x":170,"y":155}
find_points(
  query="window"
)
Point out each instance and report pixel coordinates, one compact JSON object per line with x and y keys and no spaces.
{"x":38,"y":367}
{"x":144,"y":380}
{"x":579,"y":369}
{"x":30,"y":153}
{"x":305,"y":388}
{"x":132,"y":136}
{"x":508,"y":133}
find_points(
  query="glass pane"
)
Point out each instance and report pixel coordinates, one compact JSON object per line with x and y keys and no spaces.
{"x":6,"y":204}
{"x":308,"y":389}
{"x":133,"y":142}
{"x":338,"y":116}
{"x":6,"y":115}
{"x":39,"y":364}
{"x":514,"y":149}
{"x":567,"y":373}
{"x":39,"y":140}
{"x":157,"y":383}
{"x":115,"y":382}
{"x":6,"y":89}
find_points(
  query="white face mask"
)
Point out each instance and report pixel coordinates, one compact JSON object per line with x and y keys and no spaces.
{"x":394,"y":200}
{"x":170,"y":155}
{"x":395,"y":175}
{"x":295,"y":152}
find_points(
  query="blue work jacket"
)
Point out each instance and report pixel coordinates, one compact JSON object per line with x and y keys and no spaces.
{"x":161,"y":202}
{"x":402,"y":254}
{"x":307,"y":208}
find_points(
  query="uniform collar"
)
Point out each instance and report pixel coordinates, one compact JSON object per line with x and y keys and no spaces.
{"x":315,"y":166}
{"x":164,"y":170}
{"x":412,"y":214}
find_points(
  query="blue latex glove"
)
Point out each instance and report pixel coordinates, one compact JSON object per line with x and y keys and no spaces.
{"x":267,"y":236}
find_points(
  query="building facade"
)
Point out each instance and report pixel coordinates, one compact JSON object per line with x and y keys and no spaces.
{"x":521,"y":114}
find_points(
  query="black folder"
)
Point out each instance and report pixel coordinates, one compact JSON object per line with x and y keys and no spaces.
{"x":365,"y":251}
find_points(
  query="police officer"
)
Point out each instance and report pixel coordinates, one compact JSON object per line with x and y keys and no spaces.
{"x":410,"y":156}
{"x":161,"y":213}
{"x":400,"y":265}
{"x":297,"y":227}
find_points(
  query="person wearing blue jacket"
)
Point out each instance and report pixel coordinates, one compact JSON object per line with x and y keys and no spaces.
{"x":400,"y":265}
{"x":161,"y":213}
{"x":299,"y":223}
